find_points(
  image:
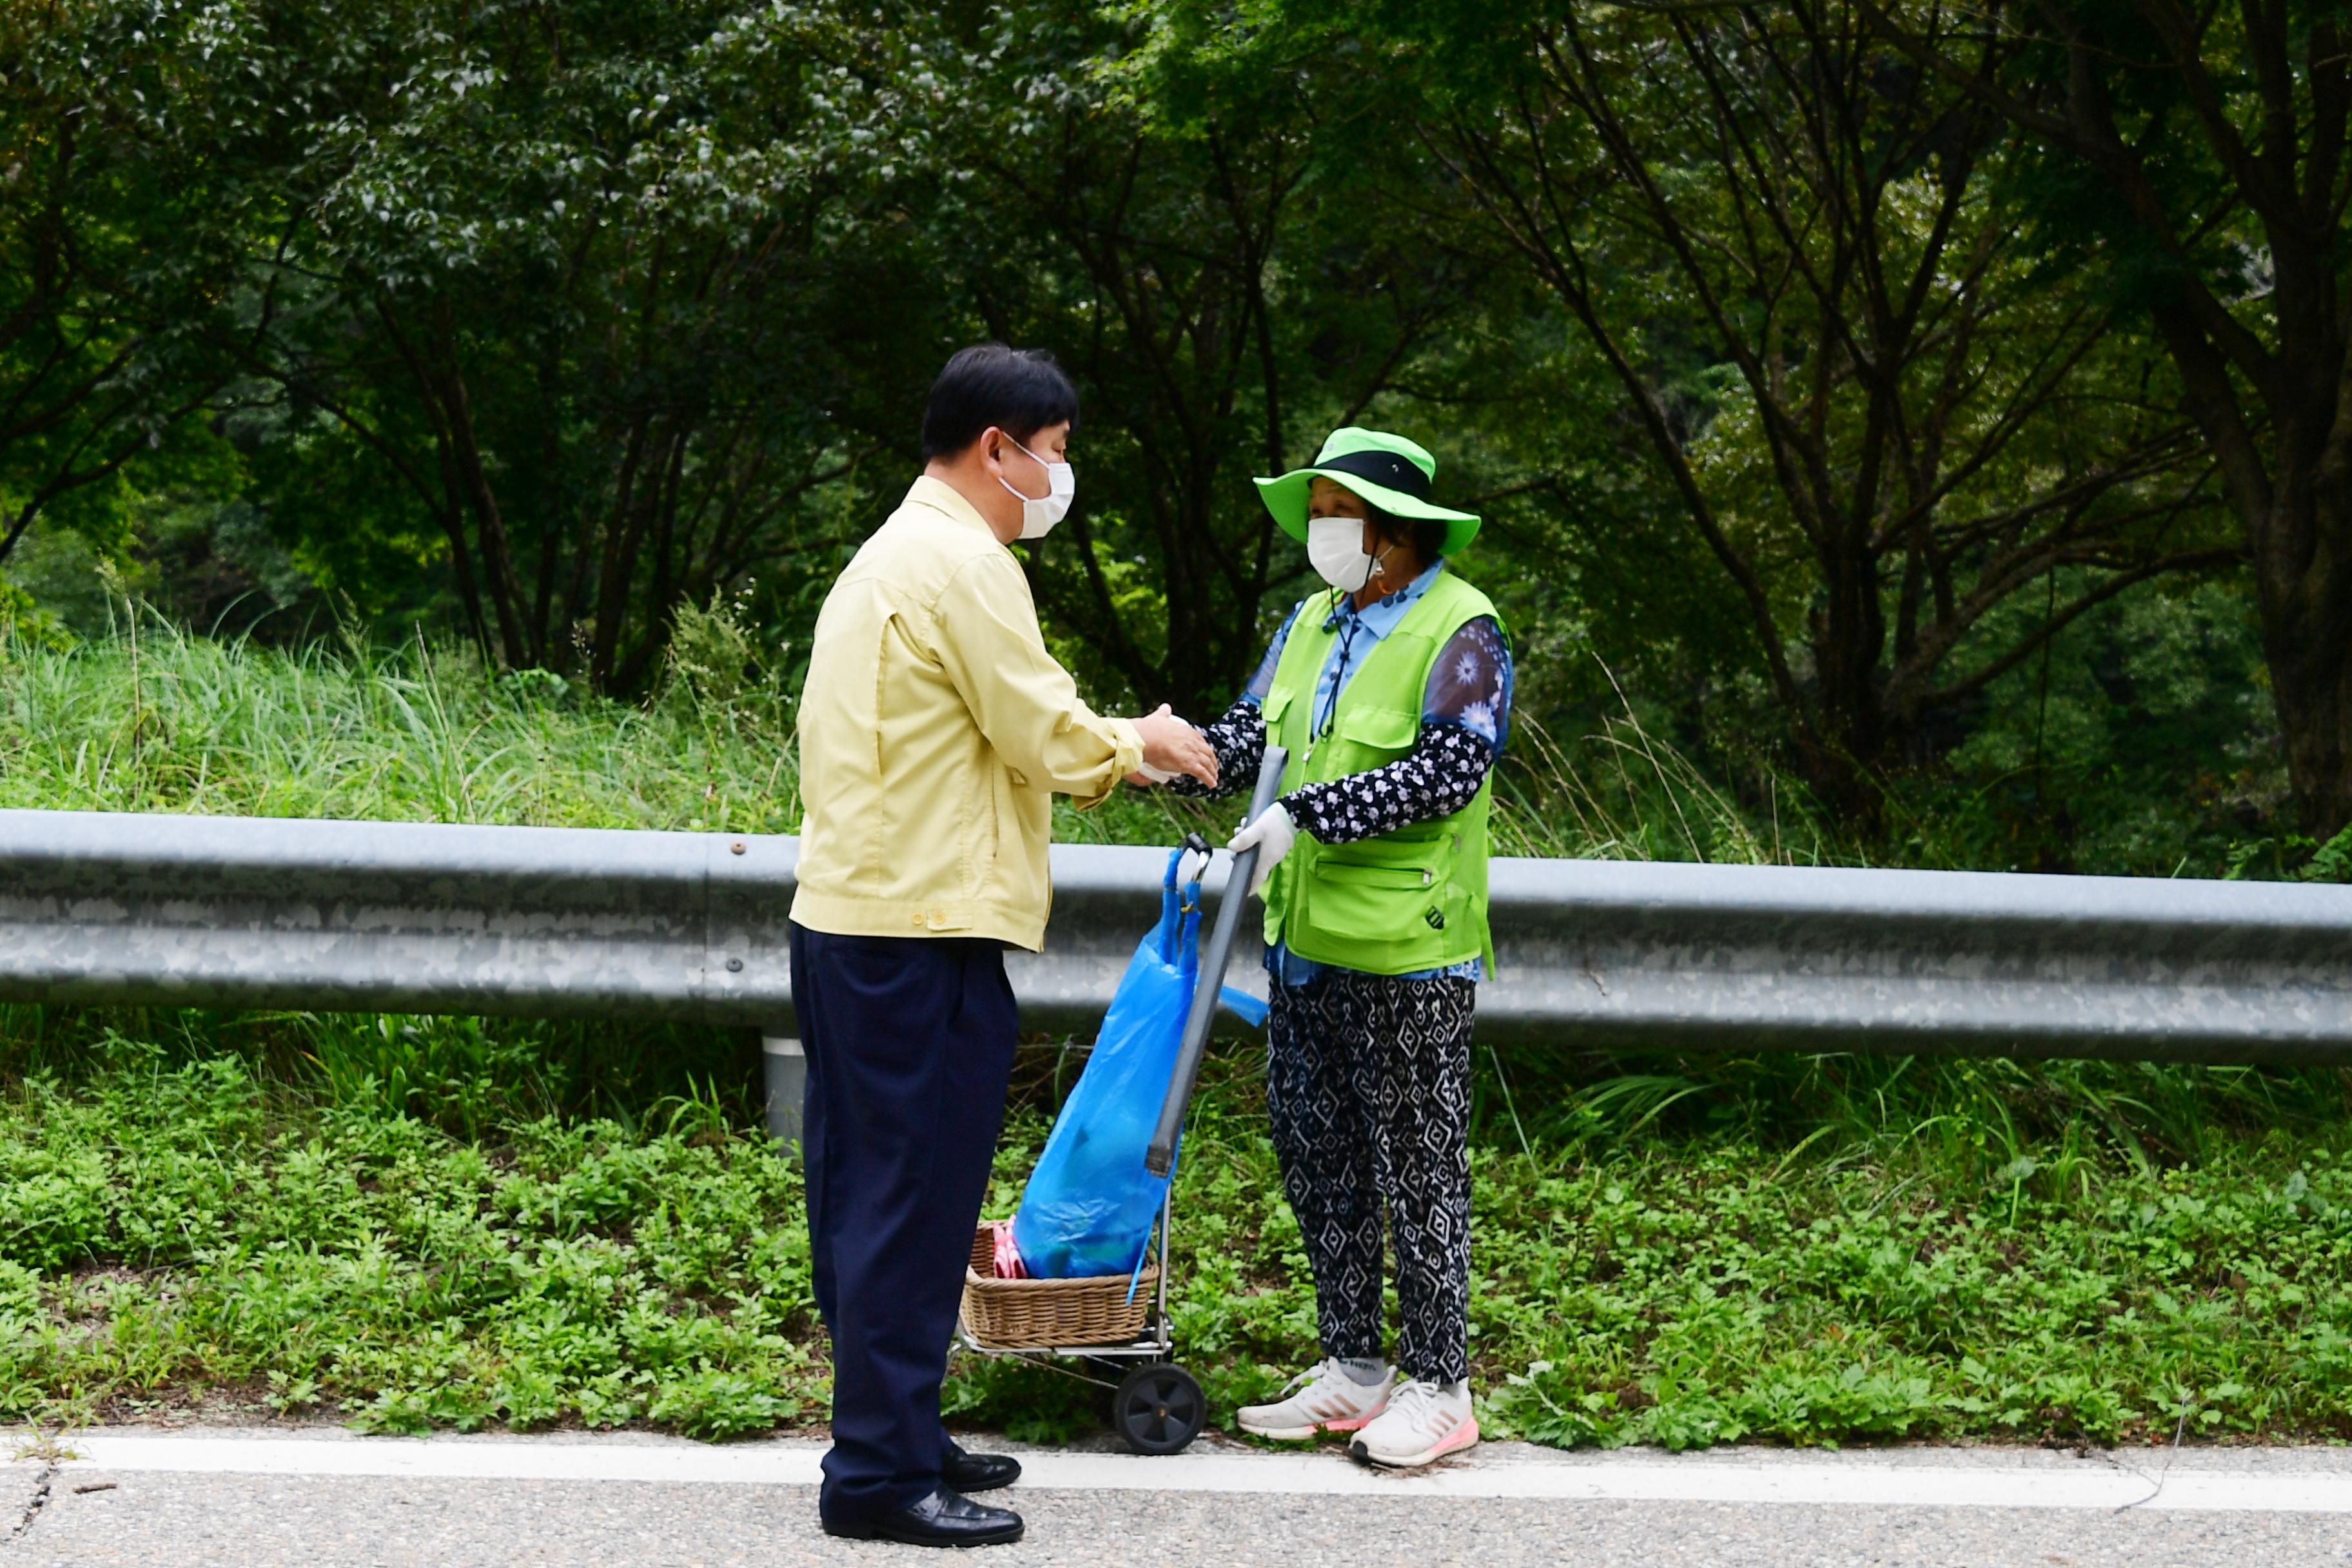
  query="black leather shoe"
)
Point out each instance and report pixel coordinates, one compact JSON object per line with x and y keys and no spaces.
{"x":965,"y":1473}
{"x":943,"y":1518}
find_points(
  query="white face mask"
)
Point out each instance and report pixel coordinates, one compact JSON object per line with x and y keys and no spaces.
{"x":1335,"y":548}
{"x":1040,"y":513}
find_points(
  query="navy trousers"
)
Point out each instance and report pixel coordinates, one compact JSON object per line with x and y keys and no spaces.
{"x":909,"y":1043}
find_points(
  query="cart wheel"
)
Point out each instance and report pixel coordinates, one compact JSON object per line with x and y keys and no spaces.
{"x":1159,"y":1409}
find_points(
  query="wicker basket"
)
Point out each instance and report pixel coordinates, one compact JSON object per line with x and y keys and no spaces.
{"x":1034,"y":1314}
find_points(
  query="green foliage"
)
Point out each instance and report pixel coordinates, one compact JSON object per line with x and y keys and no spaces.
{"x":1683,"y":1252}
{"x":2144,"y":745}
{"x":544,"y":333}
{"x":186,"y":1235}
{"x":569,"y":316}
{"x":113,"y":268}
{"x":156,"y":719}
{"x":151,"y":718}
{"x":1956,"y":1251}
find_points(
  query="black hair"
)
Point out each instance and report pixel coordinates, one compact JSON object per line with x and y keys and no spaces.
{"x":1019,"y":391}
{"x":1425,"y":534}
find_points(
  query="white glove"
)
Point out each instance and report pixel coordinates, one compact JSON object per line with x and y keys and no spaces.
{"x":1271,"y":833}
{"x":1156,"y":776}
{"x":1191,"y":867}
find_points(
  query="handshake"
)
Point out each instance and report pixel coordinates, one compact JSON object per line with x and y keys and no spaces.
{"x":1172,"y":746}
{"x":1170,"y":749}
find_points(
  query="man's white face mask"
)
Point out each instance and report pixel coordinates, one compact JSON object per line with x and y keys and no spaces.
{"x":1335,"y":548}
{"x":1040,"y":513}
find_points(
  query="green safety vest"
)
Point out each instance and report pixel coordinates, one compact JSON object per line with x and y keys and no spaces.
{"x":1407,"y":901}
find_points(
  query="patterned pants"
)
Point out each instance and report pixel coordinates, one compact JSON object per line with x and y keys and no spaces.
{"x":1368,"y":1086}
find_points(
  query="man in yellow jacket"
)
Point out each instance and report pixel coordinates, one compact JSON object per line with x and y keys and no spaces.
{"x":935,"y":729}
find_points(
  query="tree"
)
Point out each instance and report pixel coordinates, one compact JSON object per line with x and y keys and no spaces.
{"x":2201,"y":158}
{"x":1177,"y":211}
{"x":110,"y":291}
{"x":590,"y":286}
{"x":1794,"y":252}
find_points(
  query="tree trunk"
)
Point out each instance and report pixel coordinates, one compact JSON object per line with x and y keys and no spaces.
{"x":2303,"y":579}
{"x":2273,"y":396}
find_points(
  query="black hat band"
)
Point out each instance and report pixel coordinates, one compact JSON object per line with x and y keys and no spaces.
{"x":1384,"y":468}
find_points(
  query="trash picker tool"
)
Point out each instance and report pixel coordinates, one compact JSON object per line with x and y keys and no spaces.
{"x":1160,"y":1157}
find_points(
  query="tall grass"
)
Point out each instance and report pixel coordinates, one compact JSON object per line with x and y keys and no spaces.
{"x":157,"y":720}
{"x":1622,"y":793}
{"x":2052,"y":1128}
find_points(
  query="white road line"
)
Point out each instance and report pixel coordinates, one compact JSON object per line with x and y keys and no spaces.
{"x":1857,"y":1480}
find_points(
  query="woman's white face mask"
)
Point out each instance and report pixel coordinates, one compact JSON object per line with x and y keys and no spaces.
{"x":1040,"y":513}
{"x":1335,"y":548}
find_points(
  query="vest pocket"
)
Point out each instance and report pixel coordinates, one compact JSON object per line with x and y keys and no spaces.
{"x":1379,"y":891}
{"x":1381,"y":728}
{"x":1424,"y":854}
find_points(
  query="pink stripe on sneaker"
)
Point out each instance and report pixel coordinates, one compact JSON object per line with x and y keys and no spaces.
{"x":1462,"y":1436}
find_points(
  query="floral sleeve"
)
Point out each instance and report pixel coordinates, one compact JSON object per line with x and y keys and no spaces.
{"x":1440,"y":775}
{"x":1239,"y":741}
{"x":1465,"y":718}
{"x":1470,"y":684}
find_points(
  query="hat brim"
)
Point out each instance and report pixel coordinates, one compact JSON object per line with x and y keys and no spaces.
{"x":1286,"y":498}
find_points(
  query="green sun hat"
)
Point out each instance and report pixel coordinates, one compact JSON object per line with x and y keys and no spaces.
{"x":1388,"y":471}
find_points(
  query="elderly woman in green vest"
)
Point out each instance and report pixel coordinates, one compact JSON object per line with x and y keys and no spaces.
{"x":1390,"y":690}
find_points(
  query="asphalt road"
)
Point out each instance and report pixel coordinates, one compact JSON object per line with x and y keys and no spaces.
{"x":202,"y":1503}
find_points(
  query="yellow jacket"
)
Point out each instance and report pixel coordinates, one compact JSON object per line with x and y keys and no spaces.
{"x":934,"y":731}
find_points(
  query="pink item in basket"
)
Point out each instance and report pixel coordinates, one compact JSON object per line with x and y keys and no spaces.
{"x":1008,"y":1257}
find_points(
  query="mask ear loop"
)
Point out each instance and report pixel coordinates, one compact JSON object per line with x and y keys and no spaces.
{"x":1019,"y":495}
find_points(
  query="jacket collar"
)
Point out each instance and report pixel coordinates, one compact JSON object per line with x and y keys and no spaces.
{"x":943,"y":496}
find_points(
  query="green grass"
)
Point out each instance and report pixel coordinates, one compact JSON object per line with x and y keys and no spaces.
{"x":248,"y":1217}
{"x":155,"y":719}
{"x":175,"y":1235}
{"x":408,"y":1223}
{"x":161,"y":720}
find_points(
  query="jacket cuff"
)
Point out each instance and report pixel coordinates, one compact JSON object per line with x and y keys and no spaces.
{"x":1127,"y":753}
{"x":1128,"y":743}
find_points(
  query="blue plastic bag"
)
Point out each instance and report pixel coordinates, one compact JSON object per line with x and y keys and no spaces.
{"x":1090,"y":1205}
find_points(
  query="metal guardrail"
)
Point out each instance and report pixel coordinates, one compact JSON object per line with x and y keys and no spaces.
{"x":362,"y":916}
{"x":223,"y":911}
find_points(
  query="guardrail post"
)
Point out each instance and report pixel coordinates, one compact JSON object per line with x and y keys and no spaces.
{"x":787,"y":1085}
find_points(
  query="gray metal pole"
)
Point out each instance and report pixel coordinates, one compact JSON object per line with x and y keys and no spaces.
{"x":787,"y":1087}
{"x":1161,"y":1156}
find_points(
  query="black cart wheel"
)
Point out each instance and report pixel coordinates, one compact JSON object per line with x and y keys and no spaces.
{"x":1159,"y":1409}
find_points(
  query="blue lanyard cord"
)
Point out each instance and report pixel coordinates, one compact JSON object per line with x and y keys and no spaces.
{"x":1330,"y":715}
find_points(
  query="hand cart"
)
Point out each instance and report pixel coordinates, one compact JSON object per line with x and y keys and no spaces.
{"x":1158,"y":1407}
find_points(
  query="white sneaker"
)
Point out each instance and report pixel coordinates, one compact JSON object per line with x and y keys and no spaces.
{"x":1423,"y":1421}
{"x":1323,"y":1398}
